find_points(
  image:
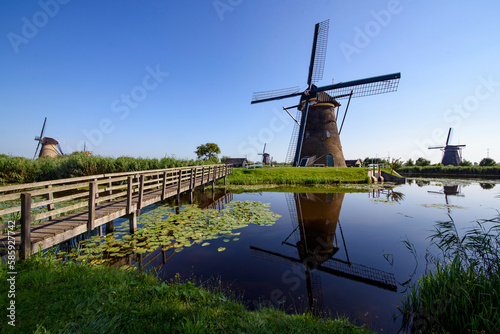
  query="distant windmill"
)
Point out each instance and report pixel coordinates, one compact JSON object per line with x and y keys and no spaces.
{"x":50,"y":146}
{"x":266,"y":158}
{"x":316,"y":139}
{"x":452,"y":153}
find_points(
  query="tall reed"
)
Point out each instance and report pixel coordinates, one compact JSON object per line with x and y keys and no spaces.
{"x":23,"y":170}
{"x":462,"y":295}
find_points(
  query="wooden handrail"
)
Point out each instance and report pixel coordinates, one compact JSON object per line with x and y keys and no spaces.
{"x":108,"y":187}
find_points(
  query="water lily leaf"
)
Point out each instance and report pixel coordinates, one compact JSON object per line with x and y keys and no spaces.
{"x":221,"y":249}
{"x":205,"y":244}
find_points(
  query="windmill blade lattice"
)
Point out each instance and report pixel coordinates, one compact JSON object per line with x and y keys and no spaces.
{"x":364,"y":87}
{"x":320,"y":51}
{"x":277,"y":94}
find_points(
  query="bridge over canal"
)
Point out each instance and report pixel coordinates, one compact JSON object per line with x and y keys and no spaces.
{"x":53,"y":212}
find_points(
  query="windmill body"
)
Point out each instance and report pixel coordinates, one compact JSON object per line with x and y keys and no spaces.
{"x":49,"y":146}
{"x":321,"y":144}
{"x":316,"y":139}
{"x":266,"y":158}
{"x":452,"y":154}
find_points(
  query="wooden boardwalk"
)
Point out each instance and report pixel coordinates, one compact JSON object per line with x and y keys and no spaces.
{"x":84,"y":204}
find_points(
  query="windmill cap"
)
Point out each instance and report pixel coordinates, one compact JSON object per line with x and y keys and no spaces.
{"x":48,"y":140}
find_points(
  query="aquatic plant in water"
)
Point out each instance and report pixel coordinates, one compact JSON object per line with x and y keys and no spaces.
{"x":170,"y":230}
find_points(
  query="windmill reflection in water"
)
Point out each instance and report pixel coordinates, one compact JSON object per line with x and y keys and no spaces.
{"x":315,"y":220}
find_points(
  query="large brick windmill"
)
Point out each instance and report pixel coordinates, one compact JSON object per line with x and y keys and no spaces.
{"x":316,"y":139}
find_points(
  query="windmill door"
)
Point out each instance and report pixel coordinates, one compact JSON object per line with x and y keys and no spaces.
{"x":329,"y":160}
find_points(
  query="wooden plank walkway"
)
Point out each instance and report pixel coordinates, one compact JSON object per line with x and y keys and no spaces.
{"x":101,"y":210}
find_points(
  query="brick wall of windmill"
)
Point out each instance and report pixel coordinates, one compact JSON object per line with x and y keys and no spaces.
{"x":321,"y":136}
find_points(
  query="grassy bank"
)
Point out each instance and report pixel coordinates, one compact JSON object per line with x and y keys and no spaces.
{"x":462,"y":294}
{"x":81,"y":298}
{"x":23,"y":170}
{"x":293,"y":175}
{"x":440,"y":170}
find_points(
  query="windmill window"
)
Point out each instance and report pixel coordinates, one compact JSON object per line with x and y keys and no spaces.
{"x":307,"y":134}
{"x":328,"y":135}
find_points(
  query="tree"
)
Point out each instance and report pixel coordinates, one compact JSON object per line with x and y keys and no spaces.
{"x":465,"y":163}
{"x":207,"y":151}
{"x":409,"y":163}
{"x":395,"y":164}
{"x":487,"y":162}
{"x":422,"y":162}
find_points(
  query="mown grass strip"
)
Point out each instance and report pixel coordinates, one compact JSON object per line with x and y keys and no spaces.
{"x":81,"y":298}
{"x":294,"y":175}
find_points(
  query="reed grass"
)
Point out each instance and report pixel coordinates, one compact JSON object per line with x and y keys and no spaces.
{"x":462,"y":295}
{"x":23,"y":170}
{"x":82,"y":298}
{"x":440,"y":170}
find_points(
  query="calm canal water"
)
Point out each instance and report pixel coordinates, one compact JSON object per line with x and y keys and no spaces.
{"x":335,"y":253}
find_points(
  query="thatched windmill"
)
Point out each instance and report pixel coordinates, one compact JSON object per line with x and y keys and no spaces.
{"x":50,"y":146}
{"x":316,"y":139}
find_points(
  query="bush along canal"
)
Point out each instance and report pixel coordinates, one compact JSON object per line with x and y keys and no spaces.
{"x":362,"y":252}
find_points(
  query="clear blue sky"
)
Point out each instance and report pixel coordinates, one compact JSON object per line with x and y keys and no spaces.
{"x":156,"y":78}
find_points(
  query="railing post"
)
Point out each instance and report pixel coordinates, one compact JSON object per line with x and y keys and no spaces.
{"x":141,"y":191}
{"x":129,"y":194}
{"x":92,"y":197}
{"x":191,"y":187}
{"x":194,"y":177}
{"x":25,"y":250}
{"x":110,"y":184}
{"x":50,"y":197}
{"x":132,"y":214}
{"x":178,"y":199}
{"x":225,"y":173}
{"x":163,"y":190}
{"x":214,"y":177}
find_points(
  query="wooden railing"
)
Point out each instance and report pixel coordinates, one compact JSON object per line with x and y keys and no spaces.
{"x":27,"y":203}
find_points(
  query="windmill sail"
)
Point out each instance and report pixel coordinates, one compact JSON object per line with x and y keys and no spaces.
{"x":364,"y":87}
{"x":318,"y":54}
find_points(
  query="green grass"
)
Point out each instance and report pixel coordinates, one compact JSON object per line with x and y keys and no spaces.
{"x":81,"y":298}
{"x":462,"y":294}
{"x":440,"y":170}
{"x":294,"y":175}
{"x":23,"y":170}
